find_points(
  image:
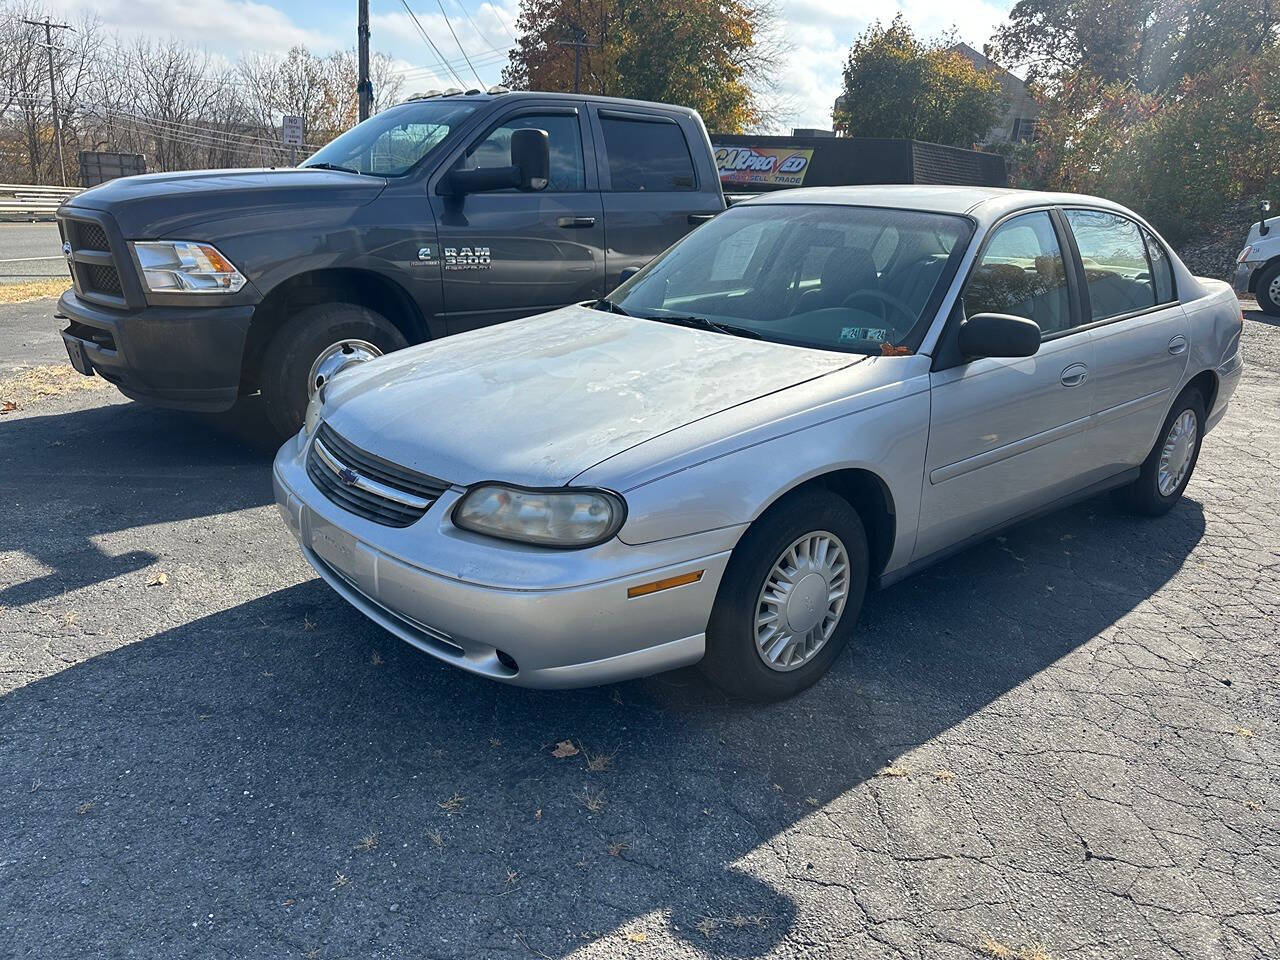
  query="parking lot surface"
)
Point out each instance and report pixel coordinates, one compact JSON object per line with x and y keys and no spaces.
{"x":1062,"y":743}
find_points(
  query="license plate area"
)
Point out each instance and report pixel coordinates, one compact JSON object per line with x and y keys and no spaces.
{"x":78,"y":355}
{"x":343,"y":553}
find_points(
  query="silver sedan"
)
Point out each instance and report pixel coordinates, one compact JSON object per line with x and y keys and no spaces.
{"x":818,"y":392}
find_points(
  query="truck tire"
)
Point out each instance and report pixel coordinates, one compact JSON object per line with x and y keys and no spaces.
{"x":300,"y":340}
{"x":1268,"y":289}
{"x":806,"y":559}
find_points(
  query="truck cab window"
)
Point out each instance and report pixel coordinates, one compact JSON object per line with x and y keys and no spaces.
{"x":646,"y":156}
{"x":563,"y":138}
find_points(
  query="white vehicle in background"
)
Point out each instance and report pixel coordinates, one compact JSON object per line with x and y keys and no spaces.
{"x":1258,"y":266}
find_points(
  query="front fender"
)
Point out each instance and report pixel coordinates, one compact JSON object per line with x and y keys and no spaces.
{"x":731,"y":488}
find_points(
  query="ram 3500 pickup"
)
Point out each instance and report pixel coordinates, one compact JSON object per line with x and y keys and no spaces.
{"x":439,"y":215}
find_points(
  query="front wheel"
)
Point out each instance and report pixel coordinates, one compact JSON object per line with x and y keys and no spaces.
{"x":1268,"y":290}
{"x":306,"y":346}
{"x":789,"y":599}
{"x":1168,"y":467}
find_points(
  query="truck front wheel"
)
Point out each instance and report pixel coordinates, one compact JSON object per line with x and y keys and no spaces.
{"x":291,"y":352}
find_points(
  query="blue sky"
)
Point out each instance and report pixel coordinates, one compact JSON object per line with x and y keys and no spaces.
{"x":820,"y":31}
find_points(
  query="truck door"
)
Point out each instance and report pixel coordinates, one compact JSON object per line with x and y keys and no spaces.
{"x":506,"y":254}
{"x":652,"y":191}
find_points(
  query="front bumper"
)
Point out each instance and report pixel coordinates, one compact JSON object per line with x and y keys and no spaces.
{"x":183,"y":357}
{"x":522,"y":615}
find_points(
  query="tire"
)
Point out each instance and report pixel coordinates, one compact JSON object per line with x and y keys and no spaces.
{"x":295,"y":346}
{"x":1268,"y":289}
{"x":1144,"y":496}
{"x":733,"y":660}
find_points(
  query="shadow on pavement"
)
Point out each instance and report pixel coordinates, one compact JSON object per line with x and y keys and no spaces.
{"x":77,"y":475}
{"x":235,"y":764}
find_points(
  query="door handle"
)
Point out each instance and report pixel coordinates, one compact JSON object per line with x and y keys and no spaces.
{"x":1178,"y":345}
{"x":576,"y":223}
{"x":697,"y":218}
{"x":1074,"y":375}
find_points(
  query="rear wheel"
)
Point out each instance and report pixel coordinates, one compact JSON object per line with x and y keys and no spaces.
{"x":315,"y":342}
{"x":789,"y":599}
{"x":1168,"y":467}
{"x":1268,"y":289}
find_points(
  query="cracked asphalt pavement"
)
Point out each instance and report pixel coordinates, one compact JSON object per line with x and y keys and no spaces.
{"x":1060,"y":743}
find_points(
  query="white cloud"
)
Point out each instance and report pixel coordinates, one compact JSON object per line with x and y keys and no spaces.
{"x":821,"y":32}
{"x":222,"y":26}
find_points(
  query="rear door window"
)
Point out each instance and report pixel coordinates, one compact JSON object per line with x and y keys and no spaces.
{"x":1114,"y":257}
{"x":647,"y":156}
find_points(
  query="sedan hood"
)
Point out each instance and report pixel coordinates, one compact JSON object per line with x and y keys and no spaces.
{"x":538,"y":401}
{"x":156,"y":204}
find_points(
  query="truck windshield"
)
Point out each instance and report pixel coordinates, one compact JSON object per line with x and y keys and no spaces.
{"x":854,"y":279}
{"x":390,"y":143}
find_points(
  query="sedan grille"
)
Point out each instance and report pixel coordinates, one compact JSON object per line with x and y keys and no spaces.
{"x":368,"y":485}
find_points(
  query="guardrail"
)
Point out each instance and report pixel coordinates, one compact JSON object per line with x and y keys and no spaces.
{"x":28,"y":200}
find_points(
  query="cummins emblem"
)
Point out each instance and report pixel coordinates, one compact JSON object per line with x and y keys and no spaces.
{"x":466,"y":258}
{"x":424,"y":253}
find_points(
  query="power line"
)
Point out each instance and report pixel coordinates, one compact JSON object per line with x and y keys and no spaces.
{"x":440,"y":4}
{"x":480,"y":33}
{"x":414,"y":17}
{"x":53,"y":86}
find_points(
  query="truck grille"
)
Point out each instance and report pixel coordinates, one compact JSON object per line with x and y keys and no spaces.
{"x":100,"y":279}
{"x":368,"y":485}
{"x":89,"y":236}
{"x":96,"y":273}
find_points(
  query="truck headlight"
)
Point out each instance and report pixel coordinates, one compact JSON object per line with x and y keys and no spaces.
{"x":563,"y":517}
{"x":184,"y":266}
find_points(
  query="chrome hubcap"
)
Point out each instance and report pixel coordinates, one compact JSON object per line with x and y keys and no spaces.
{"x":1175,"y":458}
{"x":336,"y":356}
{"x":801,"y":601}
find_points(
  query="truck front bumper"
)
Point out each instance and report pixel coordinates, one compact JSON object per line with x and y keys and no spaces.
{"x":188,"y":358}
{"x":526,"y":616}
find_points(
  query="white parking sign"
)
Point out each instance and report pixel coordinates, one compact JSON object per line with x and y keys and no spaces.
{"x":292,"y":130}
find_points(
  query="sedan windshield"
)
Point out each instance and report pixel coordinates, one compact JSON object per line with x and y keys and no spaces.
{"x":854,"y":279}
{"x":392,"y":142}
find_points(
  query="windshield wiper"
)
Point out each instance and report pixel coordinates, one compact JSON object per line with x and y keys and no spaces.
{"x":704,"y":323}
{"x":329,"y":166}
{"x":608,"y":306}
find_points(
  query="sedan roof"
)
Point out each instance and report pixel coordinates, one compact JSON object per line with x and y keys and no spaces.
{"x":985,"y":204}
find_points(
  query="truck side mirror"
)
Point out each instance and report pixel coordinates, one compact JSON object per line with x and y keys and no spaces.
{"x":531,"y":156}
{"x":1263,"y":209}
{"x":530,"y":168}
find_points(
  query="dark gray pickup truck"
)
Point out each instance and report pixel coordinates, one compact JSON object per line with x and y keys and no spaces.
{"x":436,"y":216}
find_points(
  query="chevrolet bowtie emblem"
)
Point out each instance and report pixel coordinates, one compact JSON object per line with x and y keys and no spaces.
{"x":348,"y":476}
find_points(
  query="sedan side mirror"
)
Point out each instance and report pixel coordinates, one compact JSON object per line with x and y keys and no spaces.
{"x":998,"y":335}
{"x":530,"y":168}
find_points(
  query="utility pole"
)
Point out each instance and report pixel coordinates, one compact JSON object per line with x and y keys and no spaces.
{"x":579,"y":43}
{"x":364,"y":86}
{"x":53,"y":86}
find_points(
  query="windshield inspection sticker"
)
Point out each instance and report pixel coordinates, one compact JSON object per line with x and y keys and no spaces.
{"x":873,"y":334}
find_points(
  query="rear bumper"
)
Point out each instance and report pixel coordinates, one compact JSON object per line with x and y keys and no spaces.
{"x":1243,"y":277}
{"x":187,"y":358}
{"x":1229,"y":376}
{"x":540,"y":618}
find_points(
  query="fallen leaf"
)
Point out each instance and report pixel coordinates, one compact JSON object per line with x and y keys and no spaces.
{"x":159,"y":580}
{"x":636,"y":936}
{"x":893,"y":771}
{"x":8,"y":406}
{"x":564,"y":748}
{"x":889,"y":350}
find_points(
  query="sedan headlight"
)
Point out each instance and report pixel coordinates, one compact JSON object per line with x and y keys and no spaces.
{"x":184,"y":266}
{"x":563,"y":517}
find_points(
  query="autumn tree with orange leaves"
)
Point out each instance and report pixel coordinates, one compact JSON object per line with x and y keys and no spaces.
{"x":717,"y":56}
